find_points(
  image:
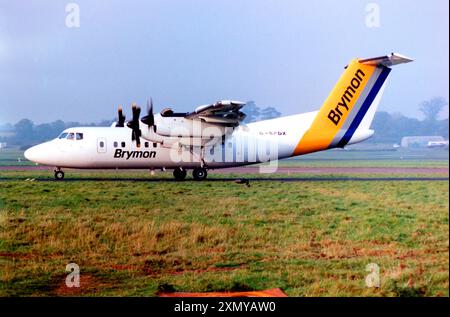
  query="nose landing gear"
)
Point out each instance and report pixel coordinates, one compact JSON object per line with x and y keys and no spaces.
{"x":59,"y":175}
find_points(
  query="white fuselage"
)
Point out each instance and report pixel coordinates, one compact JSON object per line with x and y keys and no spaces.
{"x":112,"y":147}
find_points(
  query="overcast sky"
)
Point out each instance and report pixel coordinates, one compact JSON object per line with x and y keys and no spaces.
{"x":286,"y":54}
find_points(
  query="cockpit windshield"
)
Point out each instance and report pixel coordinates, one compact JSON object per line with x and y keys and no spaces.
{"x":71,"y":136}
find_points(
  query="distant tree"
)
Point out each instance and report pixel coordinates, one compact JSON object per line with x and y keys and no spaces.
{"x":24,"y":128}
{"x":251,"y":111}
{"x":43,"y":132}
{"x":431,"y":108}
{"x":6,"y":127}
{"x":254,"y":113}
{"x":269,"y":113}
{"x":72,"y":124}
{"x":105,"y":123}
{"x":390,"y":128}
{"x":442,"y":128}
{"x":57,"y":126}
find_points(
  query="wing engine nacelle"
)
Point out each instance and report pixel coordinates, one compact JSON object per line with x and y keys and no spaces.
{"x":207,"y":125}
{"x":171,"y":130}
{"x":180,"y":126}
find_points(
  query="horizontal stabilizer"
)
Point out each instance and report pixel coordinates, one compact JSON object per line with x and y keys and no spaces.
{"x":388,"y":60}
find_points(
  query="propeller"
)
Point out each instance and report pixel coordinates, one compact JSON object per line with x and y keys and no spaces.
{"x":121,"y":118}
{"x":134,"y":125}
{"x":149,"y":119}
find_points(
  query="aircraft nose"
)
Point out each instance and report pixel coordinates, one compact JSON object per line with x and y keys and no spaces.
{"x":31,"y":154}
{"x":45,"y":153}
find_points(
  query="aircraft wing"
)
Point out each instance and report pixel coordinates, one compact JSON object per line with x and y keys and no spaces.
{"x":224,"y":112}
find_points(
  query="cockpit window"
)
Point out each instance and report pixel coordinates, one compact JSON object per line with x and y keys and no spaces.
{"x":71,"y":136}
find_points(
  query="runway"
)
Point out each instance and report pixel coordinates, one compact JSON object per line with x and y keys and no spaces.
{"x":241,"y":180}
{"x":285,"y":174}
{"x":339,"y":170}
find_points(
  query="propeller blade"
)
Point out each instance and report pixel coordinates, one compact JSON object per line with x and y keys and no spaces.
{"x":136,"y":113}
{"x":135,"y":136}
{"x":149,"y":119}
{"x":138,"y":141}
{"x":150,"y":106}
{"x":120,"y":117}
{"x":134,"y":125}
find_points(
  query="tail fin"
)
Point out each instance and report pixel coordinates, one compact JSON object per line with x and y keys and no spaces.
{"x":351,"y":104}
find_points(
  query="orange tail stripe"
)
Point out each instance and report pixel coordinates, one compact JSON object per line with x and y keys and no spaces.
{"x":336,"y":108}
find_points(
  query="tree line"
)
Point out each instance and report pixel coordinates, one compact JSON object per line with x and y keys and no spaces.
{"x":389,"y":128}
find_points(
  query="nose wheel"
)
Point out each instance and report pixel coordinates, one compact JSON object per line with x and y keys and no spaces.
{"x":59,"y":175}
{"x":199,"y":173}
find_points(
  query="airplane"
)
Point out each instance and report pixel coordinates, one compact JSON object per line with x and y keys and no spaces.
{"x":214,"y":135}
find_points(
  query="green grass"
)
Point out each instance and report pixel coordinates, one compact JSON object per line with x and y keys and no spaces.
{"x":13,"y":157}
{"x":308,"y":238}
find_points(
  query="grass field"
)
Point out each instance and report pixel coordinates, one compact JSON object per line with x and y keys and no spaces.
{"x":137,"y":238}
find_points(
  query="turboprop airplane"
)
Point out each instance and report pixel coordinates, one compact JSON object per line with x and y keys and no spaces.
{"x":213,"y":136}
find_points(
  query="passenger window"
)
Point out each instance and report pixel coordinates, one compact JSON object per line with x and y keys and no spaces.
{"x":115,"y":144}
{"x":63,"y":135}
{"x":79,"y":136}
{"x":146,"y":144}
{"x":123,"y":144}
{"x":71,"y":136}
{"x":155,"y":144}
{"x":102,"y":144}
{"x":212,"y":150}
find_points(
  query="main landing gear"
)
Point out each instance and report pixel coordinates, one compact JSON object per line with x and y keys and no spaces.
{"x":59,"y":175}
{"x":199,"y":173}
{"x":179,"y":173}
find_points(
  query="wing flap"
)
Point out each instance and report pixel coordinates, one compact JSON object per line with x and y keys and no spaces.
{"x":222,"y":112}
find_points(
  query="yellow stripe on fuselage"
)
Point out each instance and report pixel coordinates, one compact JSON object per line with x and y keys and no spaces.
{"x":336,"y":108}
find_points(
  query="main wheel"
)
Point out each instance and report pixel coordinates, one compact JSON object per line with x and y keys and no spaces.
{"x":179,"y":173}
{"x":199,"y":173}
{"x":59,"y":175}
